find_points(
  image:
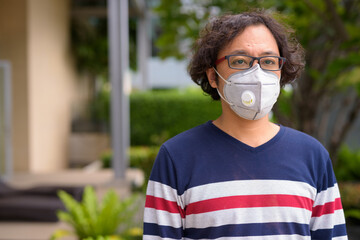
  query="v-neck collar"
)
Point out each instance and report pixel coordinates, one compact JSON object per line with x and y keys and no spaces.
{"x":230,"y":139}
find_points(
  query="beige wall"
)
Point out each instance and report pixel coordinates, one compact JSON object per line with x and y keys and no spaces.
{"x":13,"y":47}
{"x":37,"y":44}
{"x":50,"y":83}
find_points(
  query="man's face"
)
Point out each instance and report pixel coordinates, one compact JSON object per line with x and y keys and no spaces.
{"x":256,"y":41}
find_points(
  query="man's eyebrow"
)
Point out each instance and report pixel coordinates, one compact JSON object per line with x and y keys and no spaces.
{"x":270,"y":53}
{"x":239,"y":52}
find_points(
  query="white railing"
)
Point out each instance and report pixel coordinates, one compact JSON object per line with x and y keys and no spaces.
{"x":6,"y":163}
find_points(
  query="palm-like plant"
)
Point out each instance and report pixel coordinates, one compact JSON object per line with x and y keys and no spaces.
{"x":91,"y":218}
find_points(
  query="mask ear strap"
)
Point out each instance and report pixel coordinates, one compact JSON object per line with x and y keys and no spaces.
{"x":231,"y":104}
{"x":221,"y":77}
{"x":217,"y":89}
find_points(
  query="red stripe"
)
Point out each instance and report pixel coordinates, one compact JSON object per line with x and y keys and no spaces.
{"x":327,"y":208}
{"x":249,"y":201}
{"x":163,"y":204}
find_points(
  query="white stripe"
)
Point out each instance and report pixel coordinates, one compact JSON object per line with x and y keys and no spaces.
{"x":248,"y":187}
{"x":248,"y":215}
{"x":327,"y":221}
{"x":328,"y":195}
{"x":166,"y":192}
{"x":268,"y":237}
{"x":161,"y":217}
{"x":152,"y":237}
{"x":340,"y":238}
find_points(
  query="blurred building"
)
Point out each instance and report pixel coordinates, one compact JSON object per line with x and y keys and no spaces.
{"x":47,"y":91}
{"x":34,"y":38}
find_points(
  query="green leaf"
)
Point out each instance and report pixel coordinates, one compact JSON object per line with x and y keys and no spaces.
{"x":109,"y":211}
{"x":90,"y":208}
{"x":65,"y":217}
{"x":58,"y":234}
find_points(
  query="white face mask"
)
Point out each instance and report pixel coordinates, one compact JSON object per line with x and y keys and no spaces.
{"x":251,"y":93}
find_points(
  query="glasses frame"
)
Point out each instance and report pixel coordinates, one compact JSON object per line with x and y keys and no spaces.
{"x":227,"y":57}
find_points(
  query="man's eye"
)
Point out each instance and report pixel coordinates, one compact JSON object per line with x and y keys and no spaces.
{"x":268,"y":61}
{"x":239,"y":62}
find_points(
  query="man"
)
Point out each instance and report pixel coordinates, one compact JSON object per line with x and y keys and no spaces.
{"x":242,"y":176}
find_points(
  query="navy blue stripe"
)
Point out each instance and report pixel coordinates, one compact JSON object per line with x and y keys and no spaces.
{"x":162,"y":231}
{"x":337,"y":231}
{"x":253,"y":229}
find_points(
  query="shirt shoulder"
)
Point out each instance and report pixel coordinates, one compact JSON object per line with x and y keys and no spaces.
{"x":307,"y":151}
{"x":302,"y":140}
{"x":192,"y":138}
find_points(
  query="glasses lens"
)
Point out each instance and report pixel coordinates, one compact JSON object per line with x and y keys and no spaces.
{"x":239,"y":62}
{"x":270,"y":63}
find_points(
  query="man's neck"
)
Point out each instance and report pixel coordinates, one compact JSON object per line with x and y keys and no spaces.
{"x":251,"y":132}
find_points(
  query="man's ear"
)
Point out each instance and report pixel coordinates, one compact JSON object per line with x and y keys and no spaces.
{"x":211,"y":75}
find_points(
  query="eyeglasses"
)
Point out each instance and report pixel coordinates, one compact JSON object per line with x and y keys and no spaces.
{"x":242,"y":62}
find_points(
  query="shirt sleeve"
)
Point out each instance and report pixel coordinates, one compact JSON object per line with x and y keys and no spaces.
{"x":164,"y":212}
{"x":327,"y":220}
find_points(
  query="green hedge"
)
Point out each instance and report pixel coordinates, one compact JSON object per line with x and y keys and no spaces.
{"x":141,"y":157}
{"x":347,"y":171}
{"x":347,"y":167}
{"x":158,"y":115}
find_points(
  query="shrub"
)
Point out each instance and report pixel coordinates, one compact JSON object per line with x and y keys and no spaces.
{"x":91,"y":219}
{"x":347,"y":171}
{"x":350,"y":197}
{"x":347,"y":167}
{"x":159,"y":115}
{"x":141,"y":157}
{"x":350,"y":193}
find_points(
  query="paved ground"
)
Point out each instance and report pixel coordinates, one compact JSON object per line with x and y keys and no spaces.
{"x":30,"y":231}
{"x":102,"y":180}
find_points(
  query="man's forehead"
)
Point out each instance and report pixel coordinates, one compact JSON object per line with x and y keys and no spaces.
{"x":244,"y":52}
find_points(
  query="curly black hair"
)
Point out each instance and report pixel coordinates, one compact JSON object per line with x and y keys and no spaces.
{"x":219,"y":32}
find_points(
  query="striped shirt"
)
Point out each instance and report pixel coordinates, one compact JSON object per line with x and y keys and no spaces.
{"x":206,"y":184}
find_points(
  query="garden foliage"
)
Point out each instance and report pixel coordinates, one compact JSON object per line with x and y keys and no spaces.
{"x":348,"y":165}
{"x":158,"y":115}
{"x":91,"y":218}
